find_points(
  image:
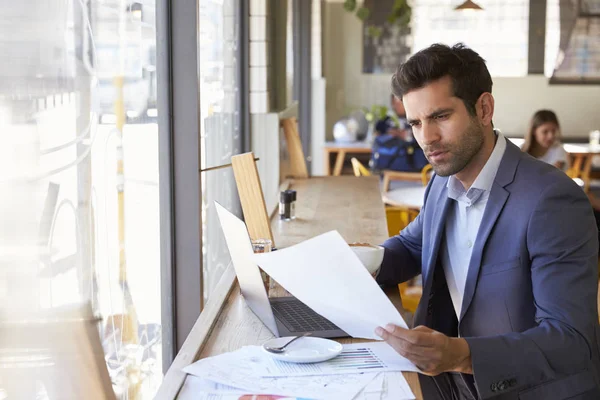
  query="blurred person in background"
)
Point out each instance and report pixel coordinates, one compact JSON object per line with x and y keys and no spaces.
{"x":394,"y":123}
{"x":543,"y":140}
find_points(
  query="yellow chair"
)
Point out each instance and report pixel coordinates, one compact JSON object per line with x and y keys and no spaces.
{"x":580,"y":169}
{"x":426,"y":174}
{"x":398,"y":218}
{"x":358,"y":168}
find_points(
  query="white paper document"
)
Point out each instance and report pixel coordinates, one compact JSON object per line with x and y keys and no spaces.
{"x":357,"y":357}
{"x":326,"y":275}
{"x":195,"y":388}
{"x":386,"y":386}
{"x":242,"y":369}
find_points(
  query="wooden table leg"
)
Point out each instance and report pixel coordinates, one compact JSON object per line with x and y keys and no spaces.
{"x":327,"y":163}
{"x":578,"y":160}
{"x":585,"y":174}
{"x":339,"y":163}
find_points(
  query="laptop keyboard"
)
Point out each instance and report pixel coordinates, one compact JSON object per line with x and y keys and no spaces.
{"x":298,"y":317}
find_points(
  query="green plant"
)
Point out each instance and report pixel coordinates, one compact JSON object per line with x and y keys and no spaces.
{"x":375,"y":113}
{"x":399,"y":14}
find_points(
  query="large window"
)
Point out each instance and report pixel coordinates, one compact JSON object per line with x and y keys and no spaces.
{"x":220,"y":136}
{"x":499,"y":33}
{"x":79,"y":193}
{"x":553,"y":32}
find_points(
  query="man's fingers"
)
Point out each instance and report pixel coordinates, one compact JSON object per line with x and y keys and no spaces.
{"x":404,"y":346}
{"x":420,"y":336}
{"x":423,"y":328}
{"x":405,"y":349}
{"x":424,"y":347}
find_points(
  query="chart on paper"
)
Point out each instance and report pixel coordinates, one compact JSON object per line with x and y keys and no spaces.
{"x":355,"y":358}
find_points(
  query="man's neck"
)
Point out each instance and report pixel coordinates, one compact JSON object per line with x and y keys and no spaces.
{"x":468,"y":174}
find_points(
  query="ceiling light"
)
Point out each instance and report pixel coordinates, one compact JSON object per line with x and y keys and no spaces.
{"x":468,"y":5}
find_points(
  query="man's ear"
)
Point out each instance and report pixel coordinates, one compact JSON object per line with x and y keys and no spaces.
{"x":485,"y":108}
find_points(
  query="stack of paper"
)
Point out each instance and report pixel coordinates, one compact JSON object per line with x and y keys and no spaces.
{"x":374,"y":374}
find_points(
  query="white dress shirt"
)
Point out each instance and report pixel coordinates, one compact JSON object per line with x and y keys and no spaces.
{"x":463,"y":220}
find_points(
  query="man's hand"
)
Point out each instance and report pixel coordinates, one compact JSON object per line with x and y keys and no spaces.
{"x":431,"y":351}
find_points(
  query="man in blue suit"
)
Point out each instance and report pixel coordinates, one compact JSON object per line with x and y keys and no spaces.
{"x":506,"y":245}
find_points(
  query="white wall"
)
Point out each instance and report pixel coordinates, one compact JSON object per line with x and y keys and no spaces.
{"x":577,"y":106}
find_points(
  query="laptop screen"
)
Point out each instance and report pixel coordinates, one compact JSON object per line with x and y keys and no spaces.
{"x":248,"y":273}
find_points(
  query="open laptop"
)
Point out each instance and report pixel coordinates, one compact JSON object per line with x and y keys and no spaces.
{"x":284,"y":316}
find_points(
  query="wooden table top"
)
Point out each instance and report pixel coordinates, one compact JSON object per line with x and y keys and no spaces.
{"x":350,"y":205}
{"x":355,"y":147}
{"x":408,"y":197}
{"x":581,"y":148}
{"x":570,"y":147}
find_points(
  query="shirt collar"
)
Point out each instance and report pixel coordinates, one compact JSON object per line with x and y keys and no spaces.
{"x":485,"y":179}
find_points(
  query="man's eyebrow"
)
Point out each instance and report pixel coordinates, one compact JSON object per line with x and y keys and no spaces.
{"x":434,"y":114}
{"x":437,"y":113}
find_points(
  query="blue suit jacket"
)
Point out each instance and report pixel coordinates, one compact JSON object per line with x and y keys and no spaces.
{"x":529,"y":312}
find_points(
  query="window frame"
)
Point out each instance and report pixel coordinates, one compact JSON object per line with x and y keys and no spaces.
{"x":180,"y":179}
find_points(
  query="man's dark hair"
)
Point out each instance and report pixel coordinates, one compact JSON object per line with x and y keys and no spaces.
{"x":467,"y":70}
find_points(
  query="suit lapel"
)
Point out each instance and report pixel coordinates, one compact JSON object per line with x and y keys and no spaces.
{"x":496,"y":201}
{"x":438,"y":226}
{"x":495,"y":204}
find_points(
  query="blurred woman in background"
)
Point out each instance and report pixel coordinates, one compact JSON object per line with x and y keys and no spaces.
{"x":543,"y":140}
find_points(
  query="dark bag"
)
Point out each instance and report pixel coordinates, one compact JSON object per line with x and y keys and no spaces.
{"x":390,"y":152}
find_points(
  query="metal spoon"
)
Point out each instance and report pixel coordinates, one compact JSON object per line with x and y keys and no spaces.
{"x":279,"y":350}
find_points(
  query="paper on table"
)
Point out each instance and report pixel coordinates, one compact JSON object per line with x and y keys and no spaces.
{"x":356,"y":357}
{"x":387,"y":386}
{"x":396,"y":387}
{"x":326,"y":275}
{"x":242,"y":369}
{"x":374,"y":390}
{"x":195,"y":388}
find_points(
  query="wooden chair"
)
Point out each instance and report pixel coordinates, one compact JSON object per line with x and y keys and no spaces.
{"x":424,"y":177}
{"x":426,"y":173}
{"x":389,"y":176}
{"x":252,"y":198}
{"x":581,"y":168}
{"x":397,"y":218}
{"x":294,"y":145}
{"x":358,"y":168}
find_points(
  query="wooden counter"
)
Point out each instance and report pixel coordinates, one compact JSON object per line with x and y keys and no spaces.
{"x":350,"y":205}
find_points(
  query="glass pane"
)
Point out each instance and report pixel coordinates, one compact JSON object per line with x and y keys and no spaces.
{"x":289,"y":54}
{"x":220,"y":135}
{"x":553,"y":29}
{"x":499,"y":33}
{"x":80,"y":199}
{"x":581,"y":60}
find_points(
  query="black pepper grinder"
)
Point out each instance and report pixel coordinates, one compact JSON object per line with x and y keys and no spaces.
{"x":293,"y":210}
{"x":285,"y":205}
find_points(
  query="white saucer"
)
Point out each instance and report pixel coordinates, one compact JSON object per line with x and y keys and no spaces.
{"x":304,"y":350}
